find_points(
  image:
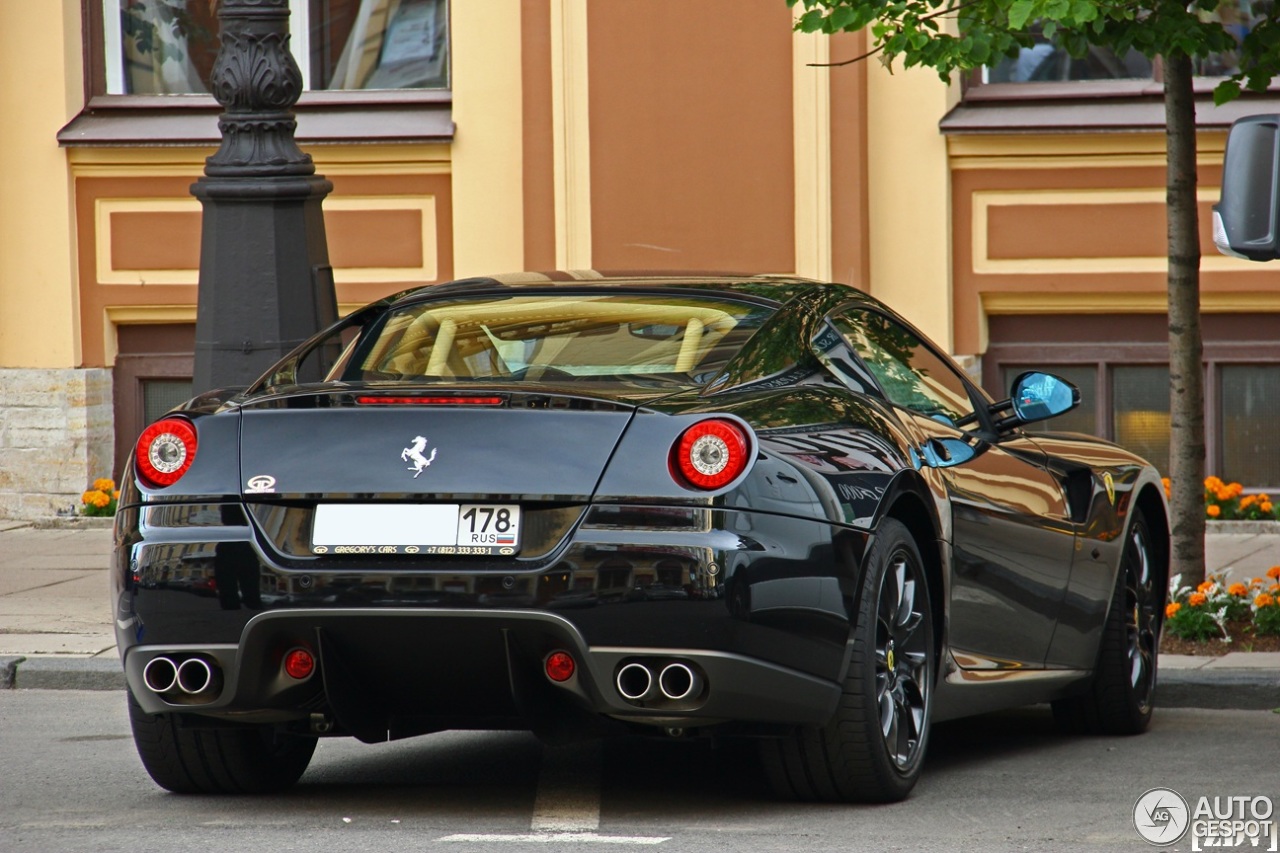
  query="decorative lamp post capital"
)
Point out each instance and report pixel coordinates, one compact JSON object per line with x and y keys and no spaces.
{"x":257,"y":81}
{"x":265,"y":279}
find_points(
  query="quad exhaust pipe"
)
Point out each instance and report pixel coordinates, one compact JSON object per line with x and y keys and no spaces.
{"x":192,"y":676}
{"x":677,"y":681}
{"x":641,"y":681}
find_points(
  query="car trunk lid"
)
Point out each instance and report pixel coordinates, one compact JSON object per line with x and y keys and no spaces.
{"x":456,"y":444}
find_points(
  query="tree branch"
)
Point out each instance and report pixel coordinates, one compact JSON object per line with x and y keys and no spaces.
{"x":879,"y":48}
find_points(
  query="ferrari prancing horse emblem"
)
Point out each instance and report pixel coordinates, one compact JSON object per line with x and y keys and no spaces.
{"x":413,"y":453}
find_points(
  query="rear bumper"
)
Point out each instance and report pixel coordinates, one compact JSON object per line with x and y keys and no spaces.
{"x":754,"y":607}
{"x":399,"y":672}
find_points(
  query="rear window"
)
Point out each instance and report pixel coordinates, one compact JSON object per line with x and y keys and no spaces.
{"x":555,"y":337}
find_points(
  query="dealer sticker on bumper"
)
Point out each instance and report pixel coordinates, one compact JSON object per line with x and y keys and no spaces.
{"x":416,"y":529}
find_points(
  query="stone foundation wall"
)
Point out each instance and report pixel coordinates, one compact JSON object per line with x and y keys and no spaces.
{"x":56,"y":437}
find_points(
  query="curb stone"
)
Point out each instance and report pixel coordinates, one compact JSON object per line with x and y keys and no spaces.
{"x":1242,"y":690}
{"x":75,"y":522}
{"x":8,"y":670}
{"x":61,"y":673}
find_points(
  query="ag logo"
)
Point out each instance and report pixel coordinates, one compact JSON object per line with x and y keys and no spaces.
{"x":260,"y":485}
{"x":1161,"y":816}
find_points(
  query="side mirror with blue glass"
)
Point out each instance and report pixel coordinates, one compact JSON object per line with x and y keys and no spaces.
{"x":1039,"y":396}
{"x":1034,"y":396}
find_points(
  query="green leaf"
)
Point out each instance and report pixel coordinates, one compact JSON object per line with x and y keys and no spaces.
{"x":1226,"y":91}
{"x":1084,"y":12}
{"x":842,"y":18}
{"x":1019,"y":13}
{"x":811,"y":21}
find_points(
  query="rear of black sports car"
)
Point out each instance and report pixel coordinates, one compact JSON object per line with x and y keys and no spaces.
{"x":494,"y":509}
{"x":664,"y":506}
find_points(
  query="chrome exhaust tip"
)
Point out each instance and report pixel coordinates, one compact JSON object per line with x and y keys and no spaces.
{"x":194,"y":676}
{"x":677,"y":681}
{"x":160,"y":675}
{"x":634,"y":681}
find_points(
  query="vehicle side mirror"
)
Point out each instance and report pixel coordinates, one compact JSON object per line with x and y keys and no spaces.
{"x":1246,"y":221}
{"x":1040,"y":396}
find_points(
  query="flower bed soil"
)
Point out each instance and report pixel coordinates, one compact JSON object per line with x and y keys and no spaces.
{"x":1242,"y":636}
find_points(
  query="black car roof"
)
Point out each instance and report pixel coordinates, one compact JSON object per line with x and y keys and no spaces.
{"x":775,"y":289}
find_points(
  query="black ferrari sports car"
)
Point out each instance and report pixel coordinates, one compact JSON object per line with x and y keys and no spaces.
{"x":756,"y":507}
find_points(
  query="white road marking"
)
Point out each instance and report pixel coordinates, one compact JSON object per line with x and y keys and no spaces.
{"x":567,"y":807}
{"x":568,"y":790}
{"x":562,"y":837}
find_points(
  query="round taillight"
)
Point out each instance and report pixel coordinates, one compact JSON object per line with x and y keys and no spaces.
{"x":710,"y":454}
{"x":165,"y":451}
{"x":560,"y":666}
{"x":299,"y":663}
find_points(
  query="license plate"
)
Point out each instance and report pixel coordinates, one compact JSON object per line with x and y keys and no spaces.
{"x":416,"y":529}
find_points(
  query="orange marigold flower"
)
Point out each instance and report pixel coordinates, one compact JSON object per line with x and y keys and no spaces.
{"x":1238,"y":589}
{"x":87,"y":497}
{"x":1274,"y":572}
{"x":1264,"y":600}
{"x":1204,"y":586}
{"x":1212,"y":483}
{"x":115,"y":496}
{"x":100,"y":499}
{"x":1265,"y":506}
{"x":103,"y":484}
{"x":1213,"y":510}
{"x":1171,"y":608}
{"x":1197,"y":598}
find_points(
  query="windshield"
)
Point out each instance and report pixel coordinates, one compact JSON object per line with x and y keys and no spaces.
{"x":554,"y":337}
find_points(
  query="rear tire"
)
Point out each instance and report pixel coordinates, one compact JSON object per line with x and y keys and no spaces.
{"x":247,"y":759}
{"x":1121,"y":697}
{"x":873,"y":748}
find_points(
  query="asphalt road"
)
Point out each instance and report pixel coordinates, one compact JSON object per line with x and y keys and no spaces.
{"x":1008,"y":782}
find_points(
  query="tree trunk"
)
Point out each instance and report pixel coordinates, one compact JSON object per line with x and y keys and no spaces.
{"x":1186,"y":376}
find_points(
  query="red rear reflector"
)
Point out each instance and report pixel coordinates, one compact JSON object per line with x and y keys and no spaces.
{"x":165,"y":451}
{"x":560,"y":666}
{"x":380,"y":400}
{"x":711,"y":454}
{"x":299,"y":663}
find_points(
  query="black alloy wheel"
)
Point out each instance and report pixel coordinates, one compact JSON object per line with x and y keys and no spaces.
{"x":873,"y":748}
{"x":1121,"y":696}
{"x":903,"y":656}
{"x":1142,"y":606}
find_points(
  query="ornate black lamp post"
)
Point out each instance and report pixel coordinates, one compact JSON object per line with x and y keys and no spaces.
{"x":265,"y":280}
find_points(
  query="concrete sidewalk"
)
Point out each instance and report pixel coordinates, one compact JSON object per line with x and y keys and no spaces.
{"x":56,"y":631}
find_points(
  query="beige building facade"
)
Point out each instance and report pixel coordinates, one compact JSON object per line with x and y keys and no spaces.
{"x":1014,"y":229}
